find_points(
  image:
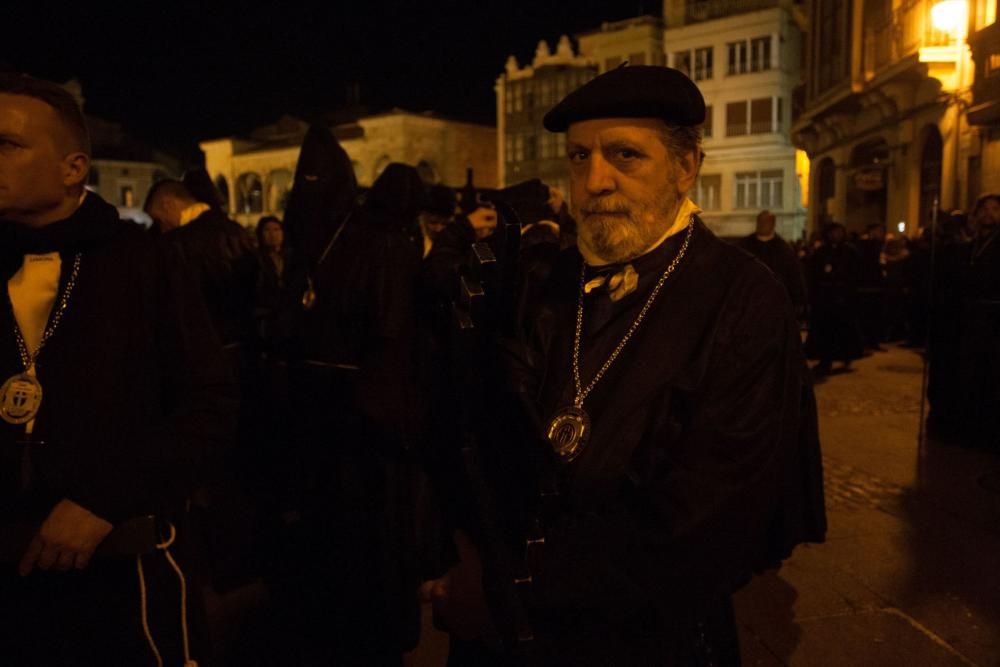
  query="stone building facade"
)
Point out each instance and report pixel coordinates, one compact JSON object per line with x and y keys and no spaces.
{"x":744,"y":56}
{"x":255,"y":173}
{"x":885,"y":112}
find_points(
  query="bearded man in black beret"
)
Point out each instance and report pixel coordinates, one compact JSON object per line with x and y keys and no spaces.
{"x":674,"y":449}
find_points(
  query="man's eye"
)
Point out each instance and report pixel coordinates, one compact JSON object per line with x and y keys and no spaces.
{"x":577,"y":156}
{"x":628,"y":154}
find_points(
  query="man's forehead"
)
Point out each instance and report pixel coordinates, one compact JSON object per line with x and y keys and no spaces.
{"x":22,"y":115}
{"x":609,"y":129}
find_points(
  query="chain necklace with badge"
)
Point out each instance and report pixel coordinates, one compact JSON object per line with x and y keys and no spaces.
{"x":21,"y":395}
{"x":569,"y":429}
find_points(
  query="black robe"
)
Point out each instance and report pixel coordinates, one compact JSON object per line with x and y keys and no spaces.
{"x":780,"y":257}
{"x":834,"y":330}
{"x":136,"y":397}
{"x":703,"y":464}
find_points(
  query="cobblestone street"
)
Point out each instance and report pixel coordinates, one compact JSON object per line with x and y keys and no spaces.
{"x":909,"y":573}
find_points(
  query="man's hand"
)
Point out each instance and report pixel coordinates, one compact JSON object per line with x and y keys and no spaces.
{"x":458,"y":596}
{"x":483,"y":221}
{"x":556,"y":200}
{"x":66,"y":539}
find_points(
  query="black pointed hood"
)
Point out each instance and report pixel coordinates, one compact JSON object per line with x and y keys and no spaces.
{"x":396,"y":197}
{"x":323,"y":193}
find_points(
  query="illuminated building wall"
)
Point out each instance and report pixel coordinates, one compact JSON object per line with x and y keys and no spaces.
{"x":255,"y":173}
{"x":884,"y":112}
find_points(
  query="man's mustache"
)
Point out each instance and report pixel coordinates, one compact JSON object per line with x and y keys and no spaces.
{"x":615,"y":209}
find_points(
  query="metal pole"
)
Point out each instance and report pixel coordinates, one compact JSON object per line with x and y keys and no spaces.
{"x":922,"y":437}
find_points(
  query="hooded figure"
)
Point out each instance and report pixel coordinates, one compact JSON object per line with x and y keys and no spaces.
{"x":323,"y":192}
{"x":350,"y":589}
{"x":396,"y":198}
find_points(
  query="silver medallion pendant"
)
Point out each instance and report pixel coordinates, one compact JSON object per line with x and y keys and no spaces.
{"x":20,"y":398}
{"x":569,"y":432}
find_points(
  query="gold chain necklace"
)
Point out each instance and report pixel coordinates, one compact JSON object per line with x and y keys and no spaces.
{"x":21,"y":395}
{"x":569,"y":430}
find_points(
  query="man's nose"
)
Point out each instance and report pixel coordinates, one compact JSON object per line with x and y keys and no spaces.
{"x":600,"y":177}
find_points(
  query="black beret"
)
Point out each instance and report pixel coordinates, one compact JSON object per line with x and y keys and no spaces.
{"x":640,"y":91}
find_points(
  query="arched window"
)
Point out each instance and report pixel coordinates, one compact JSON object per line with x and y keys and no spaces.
{"x":249,"y":194}
{"x":279,"y":184}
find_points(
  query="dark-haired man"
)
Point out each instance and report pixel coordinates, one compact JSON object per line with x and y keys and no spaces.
{"x":767,"y":245}
{"x":216,"y":248}
{"x":664,"y":369}
{"x":112,"y":392}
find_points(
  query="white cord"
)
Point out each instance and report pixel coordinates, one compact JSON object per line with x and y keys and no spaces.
{"x":165,"y":548}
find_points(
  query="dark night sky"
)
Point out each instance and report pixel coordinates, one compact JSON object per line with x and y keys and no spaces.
{"x":175,"y":73}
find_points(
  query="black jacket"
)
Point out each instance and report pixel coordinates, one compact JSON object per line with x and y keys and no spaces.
{"x":136,"y":391}
{"x":703,"y":464}
{"x":221,"y":255}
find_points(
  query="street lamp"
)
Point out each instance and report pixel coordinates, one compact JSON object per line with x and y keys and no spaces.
{"x":950,"y":16}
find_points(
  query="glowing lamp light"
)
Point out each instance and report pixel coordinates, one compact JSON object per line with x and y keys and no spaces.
{"x":901,"y":227}
{"x":950,"y":16}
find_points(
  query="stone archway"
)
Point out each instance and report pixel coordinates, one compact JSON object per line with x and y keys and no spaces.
{"x":249,"y":193}
{"x":868,"y":187}
{"x":826,"y":191}
{"x":279,"y":185}
{"x":930,"y":175}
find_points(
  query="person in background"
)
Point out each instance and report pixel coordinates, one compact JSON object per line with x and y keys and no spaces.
{"x":832,"y":273}
{"x":770,"y":248}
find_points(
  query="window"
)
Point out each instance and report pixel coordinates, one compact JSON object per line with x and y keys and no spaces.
{"x":760,"y":116}
{"x":518,"y":97}
{"x":530,"y":147}
{"x":707,"y":127}
{"x":518,"y":148}
{"x":703,"y":64}
{"x":737,"y":57}
{"x":508,"y":101}
{"x":127,"y":198}
{"x":760,"y":54}
{"x":758,"y":190}
{"x":529,"y":96}
{"x":736,"y":119}
{"x":682,"y":61}
{"x":508,"y":148}
{"x":706,"y":191}
{"x":637,"y":58}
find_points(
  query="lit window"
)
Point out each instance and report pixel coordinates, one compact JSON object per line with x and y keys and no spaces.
{"x":760,"y":54}
{"x":703,"y":64}
{"x":737,"y":57}
{"x":706,"y":191}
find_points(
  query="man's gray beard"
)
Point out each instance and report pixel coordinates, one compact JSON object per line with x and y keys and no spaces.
{"x":619,"y":239}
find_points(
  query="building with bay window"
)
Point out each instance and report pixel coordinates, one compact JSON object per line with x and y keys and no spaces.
{"x":744,"y":55}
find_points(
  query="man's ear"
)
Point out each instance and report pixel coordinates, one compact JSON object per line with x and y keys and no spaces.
{"x":687,"y":171}
{"x":76,"y":166}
